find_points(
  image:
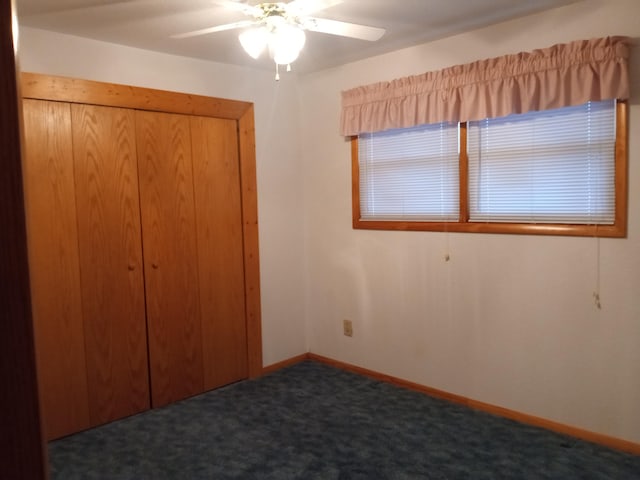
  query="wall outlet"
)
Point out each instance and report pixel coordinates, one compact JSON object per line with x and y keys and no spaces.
{"x":347,"y":326}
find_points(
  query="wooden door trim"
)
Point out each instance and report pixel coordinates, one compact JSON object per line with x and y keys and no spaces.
{"x":63,"y":89}
{"x":248,"y":182}
{"x":73,"y":90}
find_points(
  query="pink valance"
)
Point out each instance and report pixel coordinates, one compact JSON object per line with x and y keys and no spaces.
{"x":559,"y":76}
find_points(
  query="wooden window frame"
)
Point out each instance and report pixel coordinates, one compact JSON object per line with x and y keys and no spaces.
{"x":617,"y":230}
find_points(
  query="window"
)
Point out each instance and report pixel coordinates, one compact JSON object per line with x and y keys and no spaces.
{"x":410,"y":174}
{"x":552,"y":172}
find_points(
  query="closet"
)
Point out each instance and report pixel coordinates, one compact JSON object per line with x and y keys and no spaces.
{"x":142,"y":236}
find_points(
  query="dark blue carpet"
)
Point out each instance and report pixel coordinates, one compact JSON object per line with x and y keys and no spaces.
{"x":312,"y":421}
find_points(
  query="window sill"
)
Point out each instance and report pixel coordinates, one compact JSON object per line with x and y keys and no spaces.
{"x":607,"y":231}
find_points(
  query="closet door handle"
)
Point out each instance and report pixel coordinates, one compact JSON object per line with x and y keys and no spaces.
{"x":154,"y":265}
{"x":131,"y":267}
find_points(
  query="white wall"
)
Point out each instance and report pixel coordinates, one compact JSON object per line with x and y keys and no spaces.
{"x":510,"y":320}
{"x":278,"y":163}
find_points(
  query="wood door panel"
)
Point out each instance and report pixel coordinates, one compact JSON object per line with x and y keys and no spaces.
{"x":111,"y":261}
{"x":54,"y":267}
{"x":170,"y":256}
{"x":220,"y":250}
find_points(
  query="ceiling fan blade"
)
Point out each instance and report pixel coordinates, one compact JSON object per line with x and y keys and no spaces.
{"x":239,"y":6}
{"x":344,"y":29}
{"x":108,"y":7}
{"x":307,"y":7}
{"x":219,"y":28}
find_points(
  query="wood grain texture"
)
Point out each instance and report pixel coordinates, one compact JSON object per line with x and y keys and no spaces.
{"x":622,"y":167}
{"x":58,"y":88}
{"x":55,"y":267}
{"x":109,"y":94}
{"x":463,"y":174}
{"x":21,"y":443}
{"x":355,"y":183}
{"x":218,"y":206}
{"x":170,"y":253}
{"x":108,"y":210}
{"x":248,"y":183}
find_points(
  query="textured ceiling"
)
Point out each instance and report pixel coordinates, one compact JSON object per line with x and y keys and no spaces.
{"x":149,"y":24}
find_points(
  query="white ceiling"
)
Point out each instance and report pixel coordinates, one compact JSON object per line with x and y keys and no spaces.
{"x":148,"y":24}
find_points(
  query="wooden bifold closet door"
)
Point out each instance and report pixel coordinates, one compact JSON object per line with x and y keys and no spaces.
{"x":171,"y":260}
{"x":220,"y":250}
{"x":113,"y":302}
{"x":86,"y":264}
{"x":192,"y":236}
{"x":54,"y":266}
{"x":137,"y":248}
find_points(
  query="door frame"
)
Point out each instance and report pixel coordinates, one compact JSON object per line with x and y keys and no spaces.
{"x":22,"y":449}
{"x":63,"y":89}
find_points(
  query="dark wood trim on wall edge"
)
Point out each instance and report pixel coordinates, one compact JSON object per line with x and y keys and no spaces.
{"x":598,"y":438}
{"x":22,"y":447}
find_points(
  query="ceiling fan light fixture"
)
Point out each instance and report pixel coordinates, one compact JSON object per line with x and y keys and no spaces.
{"x":281,"y":27}
{"x":254,"y":41}
{"x":285,"y":43}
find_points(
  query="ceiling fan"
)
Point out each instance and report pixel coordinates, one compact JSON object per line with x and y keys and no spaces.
{"x":279,"y":27}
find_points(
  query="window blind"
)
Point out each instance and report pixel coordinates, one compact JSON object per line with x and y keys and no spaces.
{"x":410,"y":174}
{"x":555,"y":166}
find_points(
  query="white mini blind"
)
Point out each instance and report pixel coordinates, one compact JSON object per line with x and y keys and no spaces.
{"x":410,"y":174}
{"x":555,"y":166}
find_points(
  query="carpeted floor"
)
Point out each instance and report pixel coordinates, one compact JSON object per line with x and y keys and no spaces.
{"x":311,"y":421}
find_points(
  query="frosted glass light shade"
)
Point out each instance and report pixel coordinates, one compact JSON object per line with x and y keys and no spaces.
{"x":285,"y":43}
{"x":254,"y":41}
